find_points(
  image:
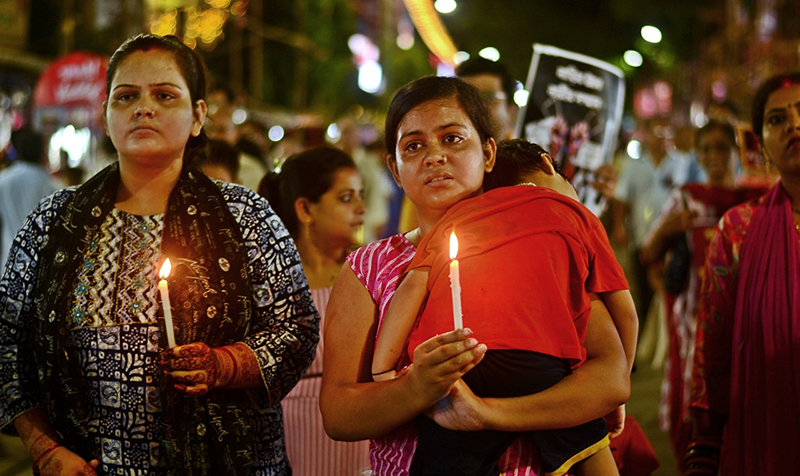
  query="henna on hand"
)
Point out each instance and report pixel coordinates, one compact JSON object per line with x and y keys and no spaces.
{"x":193,"y":367}
{"x":197,"y":368}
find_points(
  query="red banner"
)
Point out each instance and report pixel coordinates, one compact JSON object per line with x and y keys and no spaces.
{"x":77,"y":79}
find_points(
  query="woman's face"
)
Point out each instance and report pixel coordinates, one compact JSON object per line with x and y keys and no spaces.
{"x":339,"y":214}
{"x":716,"y":155}
{"x":781,"y":132}
{"x":440,"y":159}
{"x":149,"y":114}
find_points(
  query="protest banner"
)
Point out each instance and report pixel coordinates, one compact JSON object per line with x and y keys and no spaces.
{"x":574,"y":110}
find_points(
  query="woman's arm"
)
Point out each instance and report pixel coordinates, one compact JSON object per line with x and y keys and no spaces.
{"x":675,"y":218}
{"x":398,"y":321}
{"x":353,"y":406}
{"x":50,"y":457}
{"x":597,"y":387}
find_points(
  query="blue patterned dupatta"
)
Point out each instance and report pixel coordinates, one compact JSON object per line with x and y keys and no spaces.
{"x":211,"y":303}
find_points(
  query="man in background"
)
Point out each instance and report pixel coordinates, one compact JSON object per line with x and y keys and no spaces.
{"x":22,"y":185}
{"x":497,"y":86}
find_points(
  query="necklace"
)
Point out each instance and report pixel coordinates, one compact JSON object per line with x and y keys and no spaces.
{"x":530,"y":184}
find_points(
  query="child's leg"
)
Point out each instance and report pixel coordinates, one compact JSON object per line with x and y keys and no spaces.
{"x":398,"y":321}
{"x":599,"y":464}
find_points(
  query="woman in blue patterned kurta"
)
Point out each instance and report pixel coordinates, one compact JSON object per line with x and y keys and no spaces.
{"x":84,"y":376}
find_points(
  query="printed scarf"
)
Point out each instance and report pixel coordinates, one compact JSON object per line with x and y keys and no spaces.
{"x":211,"y":303}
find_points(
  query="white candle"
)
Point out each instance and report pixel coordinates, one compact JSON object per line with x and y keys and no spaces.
{"x":163,"y":288}
{"x":455,"y":282}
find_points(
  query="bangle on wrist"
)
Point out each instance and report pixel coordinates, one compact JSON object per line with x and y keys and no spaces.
{"x":39,"y":459}
{"x":232,"y":378}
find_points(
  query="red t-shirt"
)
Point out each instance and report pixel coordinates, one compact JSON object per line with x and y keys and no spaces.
{"x":528,"y":258}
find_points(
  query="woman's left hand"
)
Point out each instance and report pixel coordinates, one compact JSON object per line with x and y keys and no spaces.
{"x":194,"y":368}
{"x":460,"y":410}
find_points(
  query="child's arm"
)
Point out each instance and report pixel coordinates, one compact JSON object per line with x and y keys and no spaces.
{"x":398,"y":321}
{"x":623,"y":313}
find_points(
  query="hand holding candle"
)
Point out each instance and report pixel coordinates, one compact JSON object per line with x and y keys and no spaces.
{"x":163,"y":288}
{"x":455,"y":282}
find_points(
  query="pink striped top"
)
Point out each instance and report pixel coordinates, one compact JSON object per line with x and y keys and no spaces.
{"x":309,"y":449}
{"x":379,"y":266}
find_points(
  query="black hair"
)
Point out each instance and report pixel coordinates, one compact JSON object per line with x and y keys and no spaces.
{"x":762,"y":95}
{"x":192,"y":70}
{"x":516,"y":158}
{"x":430,"y":88}
{"x":28,"y":145}
{"x":712,"y":125}
{"x":220,"y":153}
{"x":308,"y":174}
{"x":478,"y":65}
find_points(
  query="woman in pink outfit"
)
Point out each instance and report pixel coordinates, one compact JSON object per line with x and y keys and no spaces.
{"x":319,"y":196}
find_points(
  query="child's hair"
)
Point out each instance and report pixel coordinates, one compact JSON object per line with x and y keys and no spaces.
{"x":515,"y":159}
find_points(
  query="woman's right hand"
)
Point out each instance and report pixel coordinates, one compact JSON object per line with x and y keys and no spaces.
{"x":63,"y":462}
{"x":441,"y":361}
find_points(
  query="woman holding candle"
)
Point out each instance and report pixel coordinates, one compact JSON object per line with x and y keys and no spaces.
{"x":440,"y":147}
{"x":746,"y":375}
{"x":527,"y":294}
{"x":319,"y":196}
{"x":89,"y":385}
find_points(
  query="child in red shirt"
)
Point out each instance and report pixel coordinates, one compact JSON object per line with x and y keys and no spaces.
{"x":531,"y":313}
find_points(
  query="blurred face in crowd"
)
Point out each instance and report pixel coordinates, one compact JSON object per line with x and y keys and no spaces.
{"x":149,"y":115}
{"x":781,"y":130}
{"x":501,"y":106}
{"x":655,"y":136}
{"x":717,"y":156}
{"x":440,"y":159}
{"x":339,"y":214}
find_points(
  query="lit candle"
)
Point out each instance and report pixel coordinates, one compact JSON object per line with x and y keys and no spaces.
{"x":455,"y":282}
{"x":164,"y":290}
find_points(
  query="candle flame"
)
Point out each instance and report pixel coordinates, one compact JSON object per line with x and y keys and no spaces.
{"x":165,"y":269}
{"x":453,"y":245}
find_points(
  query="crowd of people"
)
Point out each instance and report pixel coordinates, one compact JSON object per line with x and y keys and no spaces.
{"x":198,"y":308}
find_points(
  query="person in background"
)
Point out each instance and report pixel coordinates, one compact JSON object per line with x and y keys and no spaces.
{"x":682,"y":234}
{"x":22,"y":185}
{"x":438,"y":138}
{"x":377,"y":190}
{"x":684,"y":151}
{"x":221,"y":105}
{"x":253,"y":139}
{"x":497,"y":87}
{"x":92,"y":382}
{"x":642,"y":190}
{"x":319,"y":196}
{"x":746,"y":373}
{"x":221,"y":162}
